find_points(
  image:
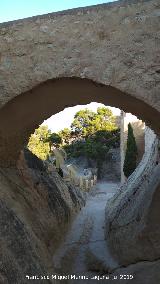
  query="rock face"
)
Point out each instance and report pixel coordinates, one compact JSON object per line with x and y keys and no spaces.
{"x":132,"y":218}
{"x":36,"y":208}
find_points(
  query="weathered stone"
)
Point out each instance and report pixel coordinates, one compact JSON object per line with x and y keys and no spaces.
{"x":36,"y":208}
{"x":132,"y":216}
{"x":116,"y":63}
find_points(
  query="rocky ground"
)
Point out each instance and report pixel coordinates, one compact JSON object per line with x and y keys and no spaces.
{"x":84,"y":250}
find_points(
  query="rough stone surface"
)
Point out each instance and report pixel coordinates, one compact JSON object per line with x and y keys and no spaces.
{"x":132,"y":216}
{"x":116,"y":45}
{"x":109,"y":54}
{"x":36,"y":208}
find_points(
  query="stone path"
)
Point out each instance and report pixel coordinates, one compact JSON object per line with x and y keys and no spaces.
{"x":84,"y":250}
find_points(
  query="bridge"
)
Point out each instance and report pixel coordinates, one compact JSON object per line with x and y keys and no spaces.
{"x":108,"y":53}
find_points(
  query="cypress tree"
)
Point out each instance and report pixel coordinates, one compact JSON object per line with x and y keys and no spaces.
{"x":130,"y":161}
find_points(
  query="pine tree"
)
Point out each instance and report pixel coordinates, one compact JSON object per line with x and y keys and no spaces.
{"x":130,"y":161}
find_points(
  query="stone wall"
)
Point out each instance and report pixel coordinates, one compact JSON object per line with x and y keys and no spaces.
{"x":109,"y":43}
{"x":132,"y":215}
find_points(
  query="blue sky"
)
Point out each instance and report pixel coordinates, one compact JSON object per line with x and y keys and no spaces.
{"x":18,"y":9}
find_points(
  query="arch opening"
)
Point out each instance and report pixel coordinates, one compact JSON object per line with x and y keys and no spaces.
{"x":23,"y":114}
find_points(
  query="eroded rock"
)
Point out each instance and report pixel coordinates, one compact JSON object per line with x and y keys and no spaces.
{"x":132,"y":218}
{"x":36,"y":208}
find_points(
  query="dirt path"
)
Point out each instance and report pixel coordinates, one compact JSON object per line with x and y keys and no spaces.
{"x":84,"y":250}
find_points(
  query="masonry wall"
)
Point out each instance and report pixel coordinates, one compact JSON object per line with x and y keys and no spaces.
{"x":107,"y":53}
{"x":132,"y":215}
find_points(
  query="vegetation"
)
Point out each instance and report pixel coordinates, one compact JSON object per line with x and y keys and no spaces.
{"x":130,"y":161}
{"x":39,"y":143}
{"x":96,"y":133}
{"x":87,"y":122}
{"x":92,"y":134}
{"x":95,"y":146}
{"x":65,"y":136}
{"x":54,"y":140}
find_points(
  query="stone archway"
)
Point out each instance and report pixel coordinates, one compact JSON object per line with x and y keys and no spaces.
{"x":20,"y":116}
{"x":116,"y":44}
{"x":112,"y":48}
{"x":108,"y":53}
